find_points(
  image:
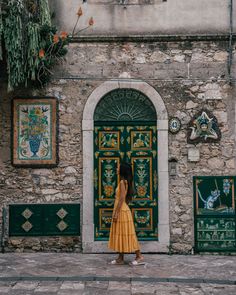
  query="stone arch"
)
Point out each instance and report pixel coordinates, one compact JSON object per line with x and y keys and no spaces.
{"x":88,"y":243}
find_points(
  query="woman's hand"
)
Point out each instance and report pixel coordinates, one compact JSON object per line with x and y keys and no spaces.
{"x":114,"y":217}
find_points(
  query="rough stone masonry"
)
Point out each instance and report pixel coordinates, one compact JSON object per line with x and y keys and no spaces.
{"x":189,"y":76}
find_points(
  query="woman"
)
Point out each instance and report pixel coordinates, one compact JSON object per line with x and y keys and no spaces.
{"x":123,"y":238}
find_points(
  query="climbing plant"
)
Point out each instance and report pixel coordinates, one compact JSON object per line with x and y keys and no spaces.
{"x":31,"y":43}
{"x":1,"y":30}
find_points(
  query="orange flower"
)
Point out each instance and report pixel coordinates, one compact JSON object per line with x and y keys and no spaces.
{"x":141,"y":190}
{"x":80,"y":12}
{"x":108,"y":190}
{"x":91,"y":21}
{"x":55,"y":38}
{"x":64,"y":35}
{"x":41,"y":53}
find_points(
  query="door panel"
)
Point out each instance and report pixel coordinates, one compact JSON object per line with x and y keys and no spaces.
{"x":138,"y":146}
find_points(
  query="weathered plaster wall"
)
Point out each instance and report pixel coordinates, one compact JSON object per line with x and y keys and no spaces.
{"x":149,"y":16}
{"x":189,"y":76}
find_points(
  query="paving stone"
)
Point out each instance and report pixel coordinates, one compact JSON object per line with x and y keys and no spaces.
{"x":218,"y":290}
{"x":165,"y":275}
{"x":70,"y":292}
{"x":23,"y":292}
{"x":72,"y":286}
{"x":49,"y":284}
{"x":167,"y":289}
{"x":47,"y":289}
{"x":4,"y":289}
{"x":25,"y":286}
{"x":98,"y":284}
{"x":142,"y":288}
{"x":119,"y":286}
{"x":186,"y":290}
{"x":7,"y":284}
{"x":94,"y":291}
{"x":118,"y":292}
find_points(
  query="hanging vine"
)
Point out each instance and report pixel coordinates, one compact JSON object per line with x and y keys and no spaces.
{"x":30,"y":41}
{"x":32,"y":44}
{"x":44,"y":12}
{"x":1,"y":30}
{"x":13,"y":38}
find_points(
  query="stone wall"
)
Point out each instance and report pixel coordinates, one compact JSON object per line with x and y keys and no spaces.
{"x":189,"y":76}
{"x":145,"y":16}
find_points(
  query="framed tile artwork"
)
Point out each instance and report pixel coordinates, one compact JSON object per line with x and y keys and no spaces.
{"x":35,"y":132}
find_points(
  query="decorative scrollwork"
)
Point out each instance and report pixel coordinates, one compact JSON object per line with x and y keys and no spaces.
{"x":125,"y":105}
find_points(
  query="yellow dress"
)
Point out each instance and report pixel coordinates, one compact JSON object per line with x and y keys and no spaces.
{"x":122,"y":237}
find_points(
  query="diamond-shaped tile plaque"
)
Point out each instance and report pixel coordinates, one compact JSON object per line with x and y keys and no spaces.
{"x":27,"y":213}
{"x":27,"y":226}
{"x":62,"y":213}
{"x":62,"y":225}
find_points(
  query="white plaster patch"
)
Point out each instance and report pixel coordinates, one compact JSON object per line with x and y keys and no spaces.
{"x":193,"y":155}
{"x":125,"y":75}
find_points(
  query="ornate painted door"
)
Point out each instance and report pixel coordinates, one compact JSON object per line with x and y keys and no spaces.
{"x":138,"y":146}
{"x":125,"y":130}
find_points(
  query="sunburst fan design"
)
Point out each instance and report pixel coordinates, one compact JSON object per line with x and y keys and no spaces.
{"x":125,"y":105}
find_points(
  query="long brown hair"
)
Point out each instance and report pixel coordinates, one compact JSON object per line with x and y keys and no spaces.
{"x":127,"y":174}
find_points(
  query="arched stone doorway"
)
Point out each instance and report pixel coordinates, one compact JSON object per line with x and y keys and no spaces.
{"x":89,"y":241}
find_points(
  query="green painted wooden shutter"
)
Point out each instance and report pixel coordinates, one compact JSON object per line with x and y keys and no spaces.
{"x":44,"y":219}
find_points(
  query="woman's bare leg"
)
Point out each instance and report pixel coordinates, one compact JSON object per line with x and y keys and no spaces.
{"x":120,"y":257}
{"x":139,"y":256}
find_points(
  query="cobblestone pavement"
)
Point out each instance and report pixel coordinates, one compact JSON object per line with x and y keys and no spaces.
{"x":75,"y":274}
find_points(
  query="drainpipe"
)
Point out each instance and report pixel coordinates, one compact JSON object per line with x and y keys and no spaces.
{"x":2,"y":237}
{"x":230,"y":56}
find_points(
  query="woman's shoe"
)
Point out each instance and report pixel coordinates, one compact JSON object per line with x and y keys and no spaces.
{"x":137,"y":261}
{"x":116,"y":262}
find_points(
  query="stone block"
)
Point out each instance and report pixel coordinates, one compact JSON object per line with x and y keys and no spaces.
{"x":70,"y":170}
{"x":159,"y":56}
{"x":193,"y":155}
{"x":179,"y":58}
{"x":230,"y":164}
{"x":207,"y":70}
{"x":69,"y":180}
{"x":142,"y":71}
{"x":221,"y":116}
{"x":177,"y":231}
{"x":191,"y":105}
{"x":112,"y":71}
{"x":171,"y":71}
{"x":200,"y":57}
{"x":49,"y":191}
{"x":140,"y":59}
{"x":215,"y":163}
{"x":221,"y":56}
{"x":194,"y":88}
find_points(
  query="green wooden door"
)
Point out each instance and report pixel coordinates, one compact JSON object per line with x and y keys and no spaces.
{"x":136,"y":144}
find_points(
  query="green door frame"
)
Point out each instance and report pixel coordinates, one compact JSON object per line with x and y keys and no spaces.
{"x":88,"y":243}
